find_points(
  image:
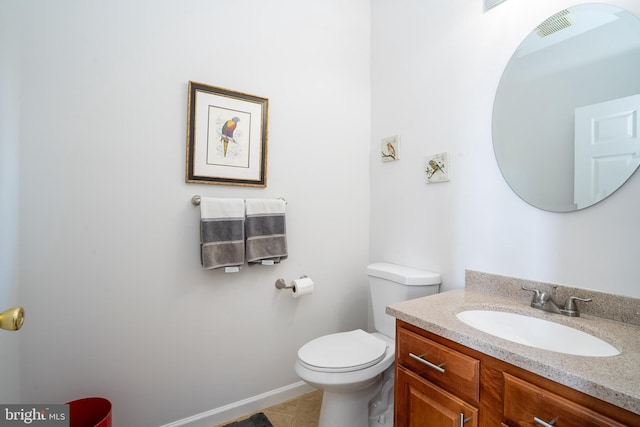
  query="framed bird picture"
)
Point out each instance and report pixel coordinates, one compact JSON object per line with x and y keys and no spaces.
{"x":436,"y":168}
{"x":226,"y":137}
{"x":390,"y":148}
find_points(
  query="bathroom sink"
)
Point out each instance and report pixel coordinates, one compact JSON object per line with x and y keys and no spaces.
{"x":538,"y":333}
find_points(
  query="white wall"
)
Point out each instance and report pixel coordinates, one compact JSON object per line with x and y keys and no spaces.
{"x":109,"y":261}
{"x":435,"y":70}
{"x":9,"y":196}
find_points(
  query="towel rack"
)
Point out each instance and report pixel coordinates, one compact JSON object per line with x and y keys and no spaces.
{"x":195,"y":200}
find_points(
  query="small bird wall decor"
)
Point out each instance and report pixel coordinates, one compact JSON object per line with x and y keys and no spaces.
{"x":436,"y":168}
{"x":390,"y":148}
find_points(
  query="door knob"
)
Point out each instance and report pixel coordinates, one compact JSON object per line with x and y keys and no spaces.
{"x":12,"y":319}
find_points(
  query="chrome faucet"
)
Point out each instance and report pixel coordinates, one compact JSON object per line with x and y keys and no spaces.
{"x":544,"y":301}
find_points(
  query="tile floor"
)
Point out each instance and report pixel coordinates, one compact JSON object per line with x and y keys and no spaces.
{"x":300,"y":412}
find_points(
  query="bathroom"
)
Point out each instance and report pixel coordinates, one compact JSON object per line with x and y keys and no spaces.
{"x":101,"y":243}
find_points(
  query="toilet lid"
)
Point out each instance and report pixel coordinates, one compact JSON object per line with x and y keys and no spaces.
{"x":342,"y":352}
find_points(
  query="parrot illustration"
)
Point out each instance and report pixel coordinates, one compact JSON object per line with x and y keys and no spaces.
{"x":435,"y":166}
{"x":227,"y":132}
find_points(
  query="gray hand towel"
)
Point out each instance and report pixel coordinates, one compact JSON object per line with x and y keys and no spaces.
{"x":266,"y":230}
{"x":221,"y":232}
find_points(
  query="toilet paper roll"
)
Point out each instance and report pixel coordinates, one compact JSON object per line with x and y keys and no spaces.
{"x":301,"y":287}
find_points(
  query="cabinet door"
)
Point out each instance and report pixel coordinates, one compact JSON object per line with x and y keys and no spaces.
{"x":419,"y":403}
{"x":526,"y":404}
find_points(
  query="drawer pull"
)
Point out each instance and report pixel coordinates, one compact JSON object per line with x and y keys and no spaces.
{"x":463,"y":420}
{"x":438,"y":368}
{"x":543,"y":423}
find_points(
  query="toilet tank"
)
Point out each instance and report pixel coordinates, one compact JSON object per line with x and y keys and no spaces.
{"x":392,"y":283}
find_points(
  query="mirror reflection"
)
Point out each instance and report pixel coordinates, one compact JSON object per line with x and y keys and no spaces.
{"x":565,"y":117}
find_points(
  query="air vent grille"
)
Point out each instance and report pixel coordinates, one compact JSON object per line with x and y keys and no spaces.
{"x":557,"y":22}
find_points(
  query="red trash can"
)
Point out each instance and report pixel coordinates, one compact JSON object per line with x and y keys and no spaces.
{"x":90,"y":412}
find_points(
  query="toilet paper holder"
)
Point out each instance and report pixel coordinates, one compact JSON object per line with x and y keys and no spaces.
{"x":281,"y":284}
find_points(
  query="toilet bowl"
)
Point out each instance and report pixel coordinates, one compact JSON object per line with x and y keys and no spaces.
{"x":355,"y":368}
{"x":356,"y":363}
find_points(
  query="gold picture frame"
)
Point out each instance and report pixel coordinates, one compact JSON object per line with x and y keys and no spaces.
{"x":226,"y":137}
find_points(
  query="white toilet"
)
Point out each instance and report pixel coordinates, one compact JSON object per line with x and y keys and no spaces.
{"x":355,"y":369}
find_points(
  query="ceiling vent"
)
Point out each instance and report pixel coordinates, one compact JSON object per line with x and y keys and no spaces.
{"x":557,"y":22}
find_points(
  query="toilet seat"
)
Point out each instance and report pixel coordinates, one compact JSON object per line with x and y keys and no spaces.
{"x":342,"y":352}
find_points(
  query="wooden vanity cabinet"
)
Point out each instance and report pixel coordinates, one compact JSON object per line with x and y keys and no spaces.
{"x":440,"y":383}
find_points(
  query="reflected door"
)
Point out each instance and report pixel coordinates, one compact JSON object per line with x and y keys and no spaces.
{"x":607,"y":148}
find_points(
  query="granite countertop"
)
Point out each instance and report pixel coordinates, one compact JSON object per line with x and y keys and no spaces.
{"x":614,"y":379}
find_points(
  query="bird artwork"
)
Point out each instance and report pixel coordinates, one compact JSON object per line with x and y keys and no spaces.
{"x":391,"y":151}
{"x":435,"y":167}
{"x":227,"y":133}
{"x":390,"y":148}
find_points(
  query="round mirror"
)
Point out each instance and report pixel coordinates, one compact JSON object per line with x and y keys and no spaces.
{"x":566,"y":112}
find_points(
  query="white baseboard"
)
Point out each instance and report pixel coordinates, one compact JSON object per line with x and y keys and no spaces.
{"x":243,"y":407}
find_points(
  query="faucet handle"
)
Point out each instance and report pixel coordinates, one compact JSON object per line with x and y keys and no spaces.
{"x":537,"y":295}
{"x":570,"y":305}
